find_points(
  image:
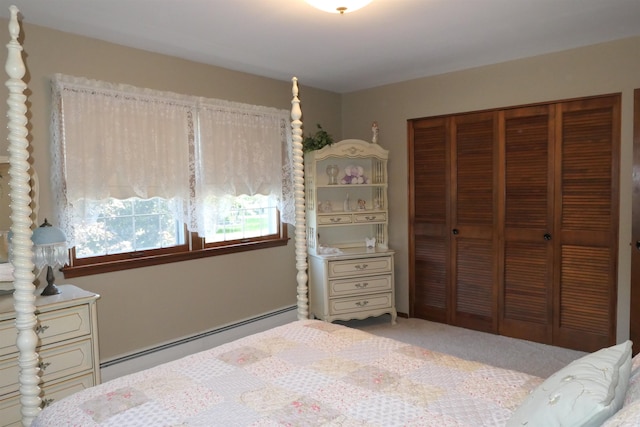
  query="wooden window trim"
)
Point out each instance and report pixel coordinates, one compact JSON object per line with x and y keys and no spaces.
{"x":129,"y":260}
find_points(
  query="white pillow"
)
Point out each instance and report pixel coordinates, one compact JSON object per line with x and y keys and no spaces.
{"x":584,"y":393}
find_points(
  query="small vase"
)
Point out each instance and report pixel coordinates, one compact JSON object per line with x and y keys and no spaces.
{"x":332,"y":171}
{"x":347,"y":204}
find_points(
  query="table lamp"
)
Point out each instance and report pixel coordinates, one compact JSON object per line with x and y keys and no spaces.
{"x":50,"y":249}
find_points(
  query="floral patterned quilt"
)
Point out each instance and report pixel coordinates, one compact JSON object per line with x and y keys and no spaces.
{"x":306,"y":373}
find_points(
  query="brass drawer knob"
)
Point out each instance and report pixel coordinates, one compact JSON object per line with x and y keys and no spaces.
{"x":41,"y":328}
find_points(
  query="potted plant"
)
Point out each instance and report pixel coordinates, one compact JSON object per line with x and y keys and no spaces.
{"x":316,"y":141}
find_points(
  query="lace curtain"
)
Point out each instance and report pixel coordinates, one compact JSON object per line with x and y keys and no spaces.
{"x":242,"y":149}
{"x":120,"y":141}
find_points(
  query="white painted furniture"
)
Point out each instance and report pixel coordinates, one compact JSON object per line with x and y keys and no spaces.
{"x":67,"y":348}
{"x":24,"y":299}
{"x":349,"y":277}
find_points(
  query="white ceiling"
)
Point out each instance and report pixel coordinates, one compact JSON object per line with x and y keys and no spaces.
{"x":386,"y":42}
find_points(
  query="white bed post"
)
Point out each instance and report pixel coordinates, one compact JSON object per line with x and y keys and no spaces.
{"x":21,"y":245}
{"x":301,"y":226}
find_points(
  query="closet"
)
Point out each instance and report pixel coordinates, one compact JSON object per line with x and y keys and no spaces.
{"x":513,"y":220}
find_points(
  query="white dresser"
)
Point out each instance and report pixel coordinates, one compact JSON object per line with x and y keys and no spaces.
{"x":68,"y":348}
{"x":353,"y":285}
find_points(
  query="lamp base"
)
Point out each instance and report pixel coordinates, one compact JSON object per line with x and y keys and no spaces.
{"x":51,"y":288}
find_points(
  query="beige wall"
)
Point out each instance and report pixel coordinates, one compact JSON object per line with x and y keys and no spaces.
{"x":599,"y":69}
{"x":148,"y":306}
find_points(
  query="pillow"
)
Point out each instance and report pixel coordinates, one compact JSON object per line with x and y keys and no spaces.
{"x":584,"y":393}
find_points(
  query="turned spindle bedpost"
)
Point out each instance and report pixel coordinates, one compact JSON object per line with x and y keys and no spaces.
{"x":301,"y":232}
{"x":21,"y":245}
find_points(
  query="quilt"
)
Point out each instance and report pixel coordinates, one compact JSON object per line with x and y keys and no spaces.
{"x":306,"y":373}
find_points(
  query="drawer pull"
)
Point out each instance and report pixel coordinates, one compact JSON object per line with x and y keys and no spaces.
{"x":43,"y":365}
{"x":370,"y":218}
{"x":46,"y":402}
{"x":362,"y":285}
{"x":362,"y":303}
{"x":361,"y":267}
{"x":40,"y":329}
{"x":335,"y":219}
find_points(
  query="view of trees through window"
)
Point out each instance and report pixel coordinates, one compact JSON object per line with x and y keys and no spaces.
{"x":127,"y":226}
{"x":248,"y":217}
{"x":134,"y":225}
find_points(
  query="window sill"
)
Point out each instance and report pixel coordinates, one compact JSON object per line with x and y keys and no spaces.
{"x":107,"y":267}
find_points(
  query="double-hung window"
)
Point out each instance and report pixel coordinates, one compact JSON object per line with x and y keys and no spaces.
{"x":145,"y":177}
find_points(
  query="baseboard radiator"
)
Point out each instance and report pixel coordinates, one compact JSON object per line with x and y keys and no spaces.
{"x":153,"y":356}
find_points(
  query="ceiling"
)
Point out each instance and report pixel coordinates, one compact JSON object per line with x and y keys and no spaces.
{"x":386,"y":42}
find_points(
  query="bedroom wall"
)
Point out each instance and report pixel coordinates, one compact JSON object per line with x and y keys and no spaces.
{"x":599,"y":69}
{"x":145,"y":307}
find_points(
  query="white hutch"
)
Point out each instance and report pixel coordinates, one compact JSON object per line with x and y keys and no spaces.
{"x":350,"y":264}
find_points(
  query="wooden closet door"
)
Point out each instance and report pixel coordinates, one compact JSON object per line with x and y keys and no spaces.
{"x":586,"y":223}
{"x":526,"y":296}
{"x":474,"y":221}
{"x":429,"y":224}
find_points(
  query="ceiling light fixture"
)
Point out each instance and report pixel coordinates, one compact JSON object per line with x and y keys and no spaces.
{"x":338,"y":6}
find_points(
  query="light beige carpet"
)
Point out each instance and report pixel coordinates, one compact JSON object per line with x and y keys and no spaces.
{"x":511,"y":353}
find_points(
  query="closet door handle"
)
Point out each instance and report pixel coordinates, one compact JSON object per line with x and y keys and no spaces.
{"x":455,"y":231}
{"x":547,"y":236}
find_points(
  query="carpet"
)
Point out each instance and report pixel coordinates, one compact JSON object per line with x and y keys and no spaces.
{"x":511,"y":353}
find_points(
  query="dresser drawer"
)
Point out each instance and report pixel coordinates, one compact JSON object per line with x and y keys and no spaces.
{"x":359,"y":304}
{"x":8,"y":336}
{"x":10,"y":411}
{"x":58,"y":390}
{"x":334,"y":219}
{"x":52,"y":326}
{"x":370,"y":217}
{"x":363,"y":285}
{"x":55,"y":362}
{"x":58,"y":325}
{"x":10,"y":406}
{"x":360,"y":266}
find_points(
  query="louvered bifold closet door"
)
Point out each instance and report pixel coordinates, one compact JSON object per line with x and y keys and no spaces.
{"x":526,"y":296}
{"x":474,"y":221}
{"x":429,"y":233}
{"x":587,"y":223}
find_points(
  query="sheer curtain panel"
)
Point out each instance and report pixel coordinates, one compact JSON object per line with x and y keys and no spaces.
{"x":120,"y":141}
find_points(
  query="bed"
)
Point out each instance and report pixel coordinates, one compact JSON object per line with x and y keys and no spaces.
{"x":308,"y":372}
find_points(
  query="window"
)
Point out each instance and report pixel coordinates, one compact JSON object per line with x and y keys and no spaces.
{"x":250,"y":217}
{"x":133,"y":225}
{"x":142,"y":232}
{"x":149,"y":177}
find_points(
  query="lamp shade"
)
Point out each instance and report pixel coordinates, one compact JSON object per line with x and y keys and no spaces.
{"x":339,"y":6}
{"x":47,"y":234}
{"x":50,"y":246}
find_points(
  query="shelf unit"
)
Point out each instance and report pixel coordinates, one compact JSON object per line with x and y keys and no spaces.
{"x":350,"y":276}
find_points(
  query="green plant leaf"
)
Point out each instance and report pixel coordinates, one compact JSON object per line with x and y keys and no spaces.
{"x":317,"y":141}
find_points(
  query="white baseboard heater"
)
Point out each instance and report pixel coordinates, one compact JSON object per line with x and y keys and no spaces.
{"x":173,"y":350}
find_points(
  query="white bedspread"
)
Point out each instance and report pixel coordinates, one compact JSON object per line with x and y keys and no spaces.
{"x":307,"y":373}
